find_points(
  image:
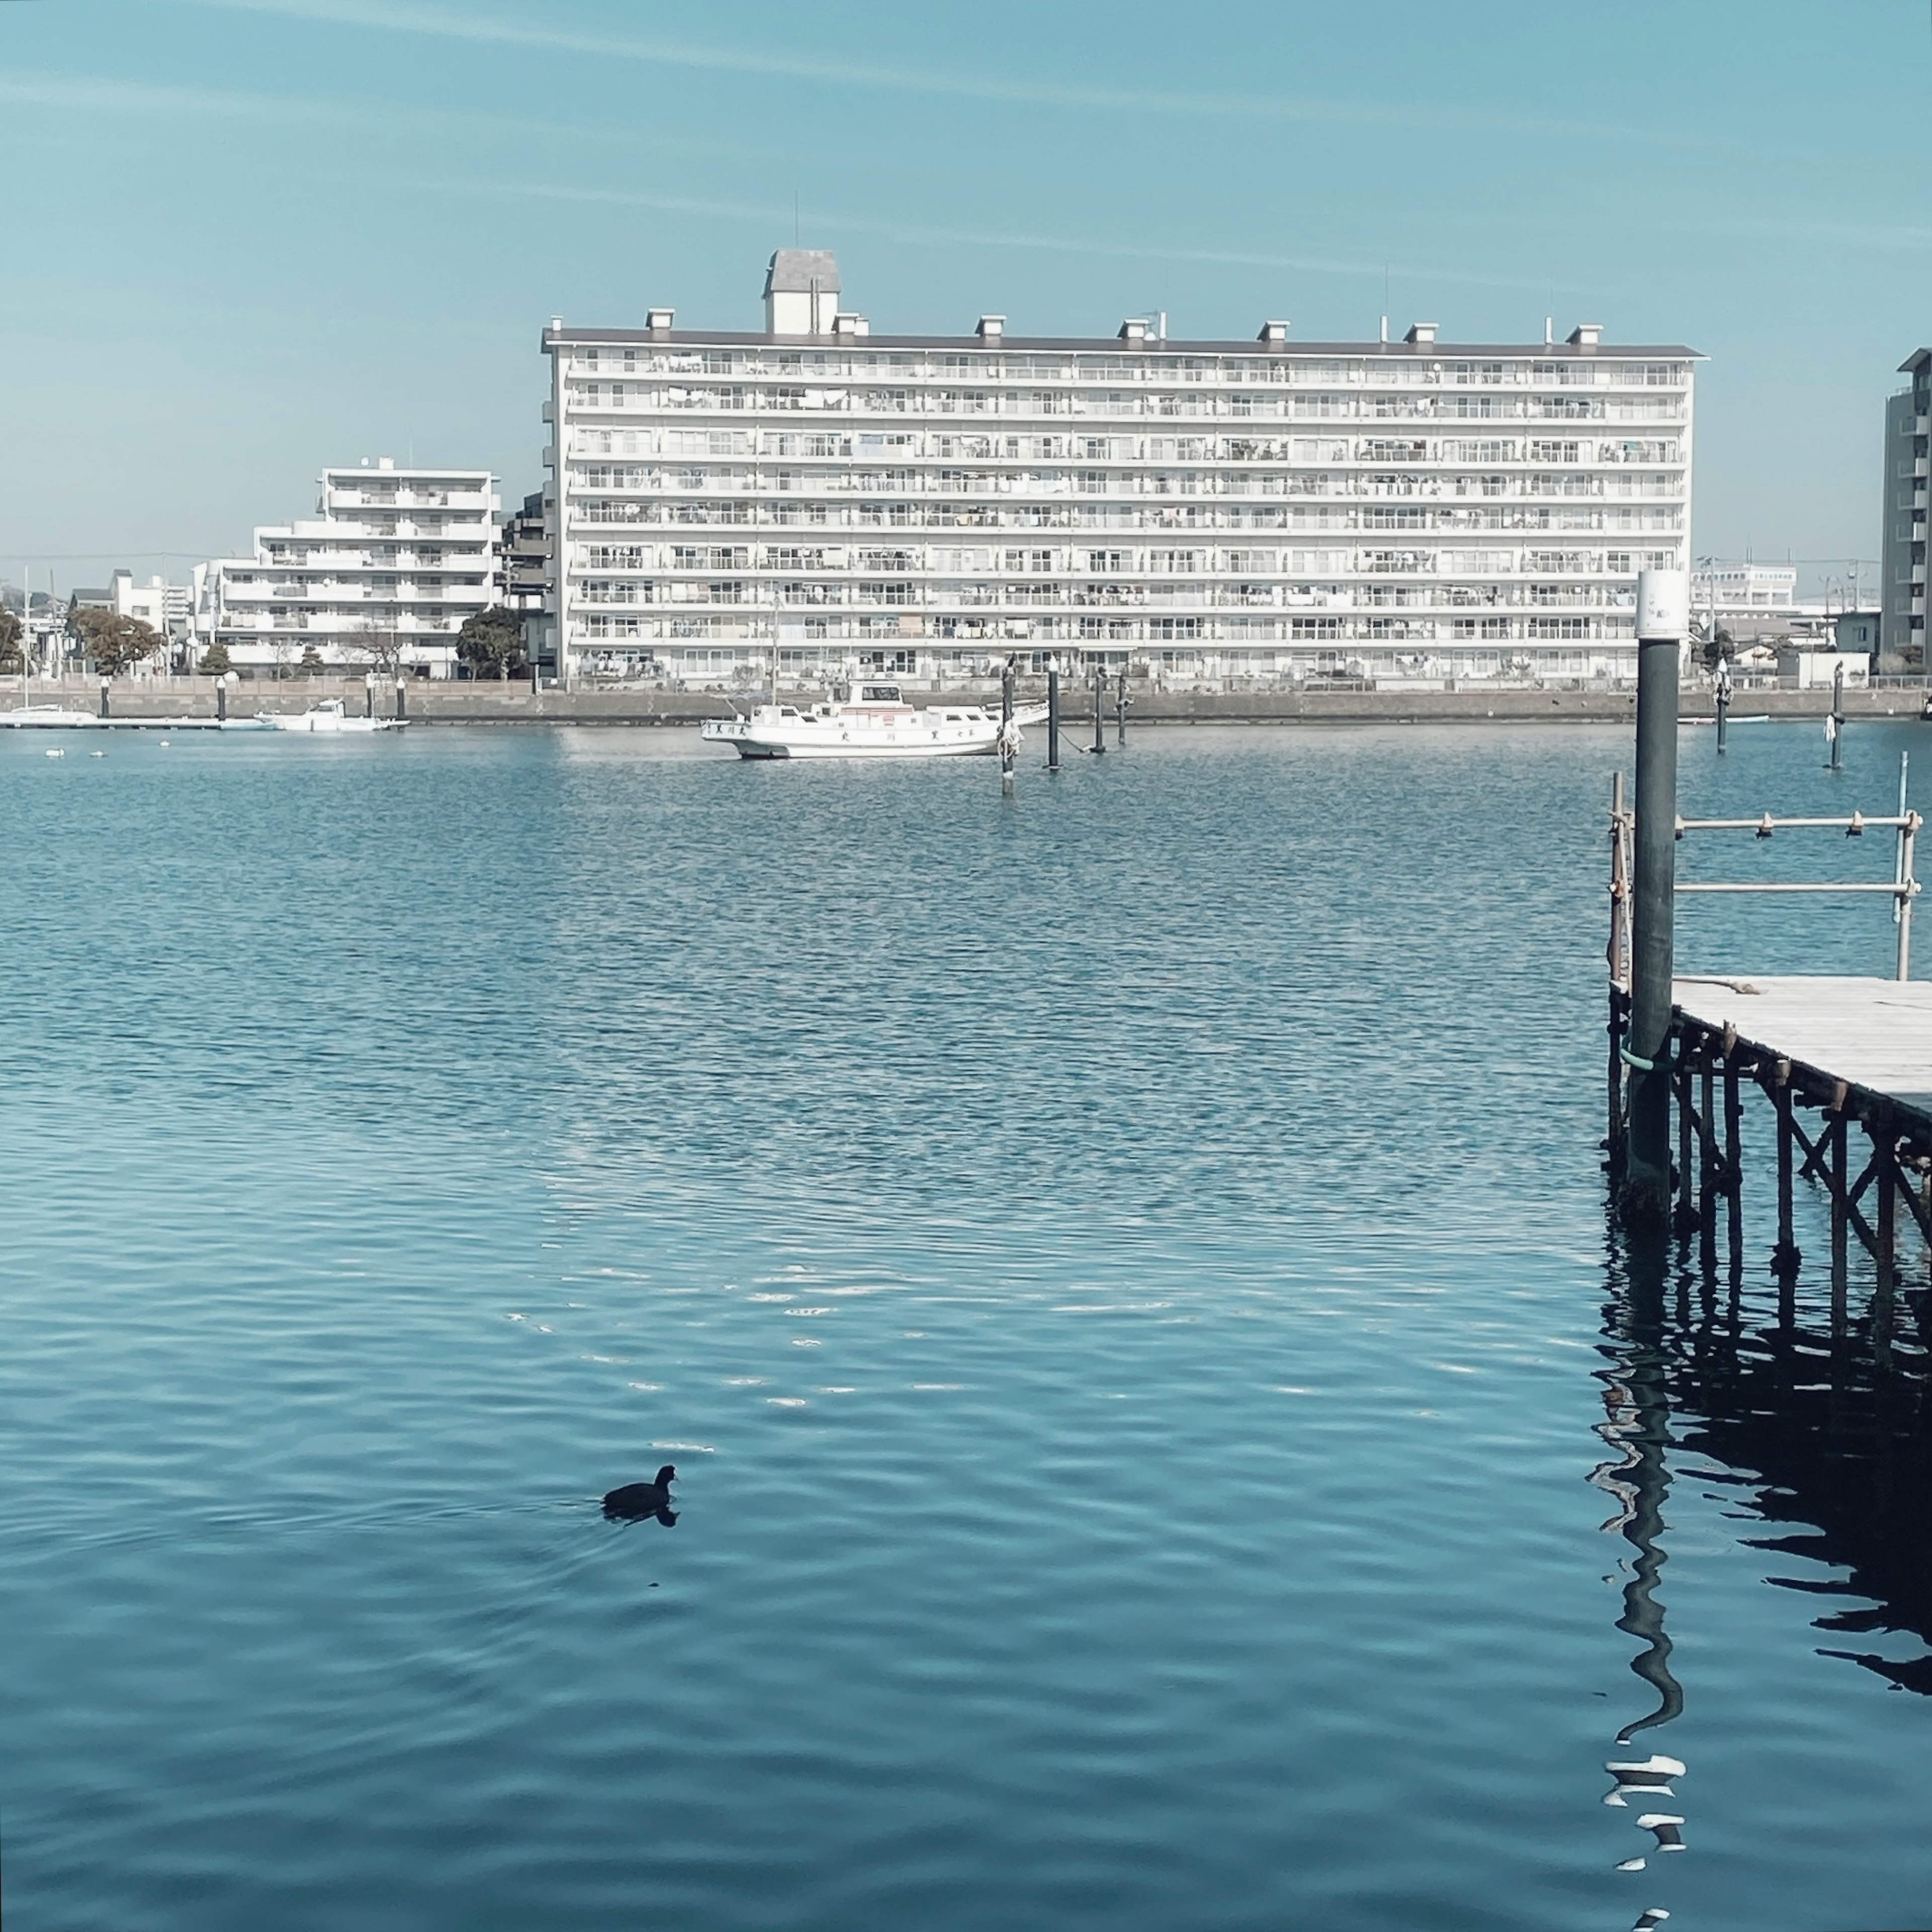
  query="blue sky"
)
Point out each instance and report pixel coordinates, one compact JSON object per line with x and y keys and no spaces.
{"x":242,"y":238}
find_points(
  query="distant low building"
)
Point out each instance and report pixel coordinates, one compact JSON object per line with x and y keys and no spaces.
{"x":524,"y":552}
{"x":1857,"y":630}
{"x":1908,"y":420}
{"x":395,"y":562}
{"x":166,"y":608}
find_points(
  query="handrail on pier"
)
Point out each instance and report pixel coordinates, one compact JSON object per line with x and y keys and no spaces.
{"x":1902,"y":888}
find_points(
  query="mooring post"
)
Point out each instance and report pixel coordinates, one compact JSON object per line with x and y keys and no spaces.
{"x":1707,"y":1173}
{"x":1840,"y":1220}
{"x":1100,"y":703}
{"x":1619,"y":911}
{"x":105,"y":683}
{"x":220,"y":698}
{"x":402,"y":702}
{"x":1053,"y":714}
{"x":1663,"y":618}
{"x":1006,"y":726}
{"x":1120,"y":709}
{"x":1724,"y":701}
{"x":1837,"y":727}
{"x":1686,"y":1218}
{"x":369,"y":691}
{"x":1885,"y":1186}
{"x":536,"y":678}
{"x":1785,"y":1257}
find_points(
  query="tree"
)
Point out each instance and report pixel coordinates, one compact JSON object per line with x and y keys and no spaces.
{"x":9,"y":641}
{"x":311,"y":661}
{"x":215,"y":660}
{"x":112,"y":643}
{"x":1719,"y":646}
{"x":491,"y":642}
{"x":377,"y":650}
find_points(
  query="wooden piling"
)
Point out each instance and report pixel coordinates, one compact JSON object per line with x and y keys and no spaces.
{"x":1734,"y":1191}
{"x":1663,"y":607}
{"x":1785,"y":1257}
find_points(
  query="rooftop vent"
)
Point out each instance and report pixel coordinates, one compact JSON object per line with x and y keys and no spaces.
{"x":1420,"y":334}
{"x":1134,"y":329}
{"x":1272,"y":331}
{"x":385,"y":462}
{"x":1586,"y":335}
{"x":655,"y":318}
{"x":801,"y":291}
{"x":846,"y":323}
{"x":991,"y":328}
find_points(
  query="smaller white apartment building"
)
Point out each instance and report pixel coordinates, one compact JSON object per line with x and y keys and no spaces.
{"x":165,"y":607}
{"x":395,"y":563}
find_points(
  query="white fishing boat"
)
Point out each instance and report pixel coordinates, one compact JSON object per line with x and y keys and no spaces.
{"x":46,"y":718}
{"x":329,"y":716}
{"x":868,"y":718}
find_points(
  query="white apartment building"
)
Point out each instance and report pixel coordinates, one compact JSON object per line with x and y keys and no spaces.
{"x":395,"y":562}
{"x":1407,"y":511}
{"x":1908,"y":422}
{"x":165,"y":607}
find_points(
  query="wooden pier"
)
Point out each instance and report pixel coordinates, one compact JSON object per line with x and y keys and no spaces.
{"x":1855,"y":1052}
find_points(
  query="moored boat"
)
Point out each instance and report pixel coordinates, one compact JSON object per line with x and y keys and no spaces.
{"x":868,"y":718}
{"x":329,"y":716}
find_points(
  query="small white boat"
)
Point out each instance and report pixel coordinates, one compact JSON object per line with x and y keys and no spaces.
{"x":868,"y":718}
{"x":46,"y":717}
{"x":329,"y":716}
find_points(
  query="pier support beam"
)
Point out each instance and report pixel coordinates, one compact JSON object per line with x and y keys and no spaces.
{"x":1662,"y":619}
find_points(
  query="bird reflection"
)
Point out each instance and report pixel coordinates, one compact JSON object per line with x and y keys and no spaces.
{"x":634,"y":1502}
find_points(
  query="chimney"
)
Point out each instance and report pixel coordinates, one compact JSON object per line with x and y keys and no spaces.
{"x":1134,"y":329}
{"x":657,"y":320}
{"x":991,"y":328}
{"x":1272,"y":331}
{"x":1420,"y":334}
{"x":1586,"y":335}
{"x":801,"y":292}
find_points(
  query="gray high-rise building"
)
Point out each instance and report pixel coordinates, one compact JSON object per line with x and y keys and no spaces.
{"x":1902,"y":554}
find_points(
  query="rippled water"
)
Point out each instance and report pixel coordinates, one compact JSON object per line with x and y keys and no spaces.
{"x":1122,"y":1275}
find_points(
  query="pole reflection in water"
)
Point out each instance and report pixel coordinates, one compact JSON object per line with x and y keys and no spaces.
{"x":1812,"y":1408}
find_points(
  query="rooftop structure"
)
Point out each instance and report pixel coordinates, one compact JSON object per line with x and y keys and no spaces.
{"x":395,"y":562}
{"x":1409,"y":512}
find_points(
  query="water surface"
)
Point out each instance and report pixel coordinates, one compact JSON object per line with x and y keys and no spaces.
{"x":1121,"y":1273}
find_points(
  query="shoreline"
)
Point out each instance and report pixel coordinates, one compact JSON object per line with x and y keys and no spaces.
{"x":453,"y":704}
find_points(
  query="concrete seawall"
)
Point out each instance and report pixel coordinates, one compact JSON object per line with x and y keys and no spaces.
{"x":484,"y":703}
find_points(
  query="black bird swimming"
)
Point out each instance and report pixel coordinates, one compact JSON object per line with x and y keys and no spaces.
{"x":635,"y":1501}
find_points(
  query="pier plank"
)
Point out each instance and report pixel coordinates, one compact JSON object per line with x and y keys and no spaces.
{"x":1875,"y":1034}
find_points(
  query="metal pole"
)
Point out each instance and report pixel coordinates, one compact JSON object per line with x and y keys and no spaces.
{"x":1837,"y":715}
{"x":369,"y":691}
{"x":1723,"y":702}
{"x":1053,"y":714}
{"x":221,"y":699}
{"x":1120,"y":710}
{"x":402,"y":702}
{"x":1099,"y":700}
{"x":1006,"y":726}
{"x":1901,"y":907}
{"x":1662,"y":603}
{"x":105,"y":684}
